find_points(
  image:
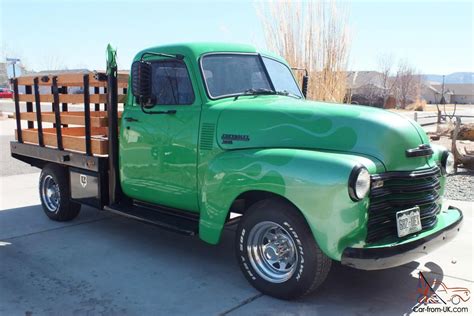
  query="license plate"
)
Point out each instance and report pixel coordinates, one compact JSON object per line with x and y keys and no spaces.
{"x":408,"y":221}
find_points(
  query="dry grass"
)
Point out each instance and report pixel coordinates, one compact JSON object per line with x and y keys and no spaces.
{"x":311,"y":35}
{"x":418,"y":105}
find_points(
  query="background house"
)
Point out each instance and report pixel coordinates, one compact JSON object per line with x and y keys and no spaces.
{"x":461,"y":93}
{"x":432,"y":93}
{"x":366,"y":87}
{"x":374,"y":89}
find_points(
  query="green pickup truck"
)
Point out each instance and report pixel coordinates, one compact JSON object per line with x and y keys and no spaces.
{"x":214,"y":135}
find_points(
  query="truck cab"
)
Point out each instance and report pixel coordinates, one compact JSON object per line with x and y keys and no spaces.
{"x":216,"y":134}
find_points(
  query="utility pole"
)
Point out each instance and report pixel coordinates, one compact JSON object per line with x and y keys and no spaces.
{"x":442,"y":90}
{"x":442,"y":101}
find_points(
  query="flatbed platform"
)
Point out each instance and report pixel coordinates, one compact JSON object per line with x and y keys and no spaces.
{"x":78,"y":131}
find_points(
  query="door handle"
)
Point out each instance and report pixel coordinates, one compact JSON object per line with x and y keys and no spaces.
{"x":131,"y":119}
{"x":159,"y":112}
{"x":166,"y":112}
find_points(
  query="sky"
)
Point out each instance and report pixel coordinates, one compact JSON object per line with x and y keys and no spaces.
{"x":436,"y":37}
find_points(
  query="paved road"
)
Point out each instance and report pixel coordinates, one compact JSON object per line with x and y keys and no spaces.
{"x":9,"y":166}
{"x":104,"y":264}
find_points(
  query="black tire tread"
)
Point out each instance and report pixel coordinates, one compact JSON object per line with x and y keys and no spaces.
{"x":321,"y":275}
{"x":322,"y":262}
{"x":68,"y":210}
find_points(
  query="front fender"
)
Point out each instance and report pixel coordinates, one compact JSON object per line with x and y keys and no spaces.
{"x":314,"y":181}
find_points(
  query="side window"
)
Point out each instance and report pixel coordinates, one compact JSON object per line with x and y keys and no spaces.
{"x":171,"y":84}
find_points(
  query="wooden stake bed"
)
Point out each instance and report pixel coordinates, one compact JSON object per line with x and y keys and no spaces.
{"x":73,"y":138}
{"x":72,"y":79}
{"x":70,"y":98}
{"x":89,"y":128}
{"x":98,"y":118}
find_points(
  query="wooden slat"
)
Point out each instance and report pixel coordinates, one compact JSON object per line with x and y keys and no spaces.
{"x":80,"y":131}
{"x":98,"y":118}
{"x":67,"y":79}
{"x":73,"y":139}
{"x":70,"y":98}
{"x":71,"y":80}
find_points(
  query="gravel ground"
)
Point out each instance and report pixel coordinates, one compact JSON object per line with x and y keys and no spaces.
{"x":460,"y":186}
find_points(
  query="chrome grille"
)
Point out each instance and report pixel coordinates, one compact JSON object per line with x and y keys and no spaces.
{"x":400,"y":191}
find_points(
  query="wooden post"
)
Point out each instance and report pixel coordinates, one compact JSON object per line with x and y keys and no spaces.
{"x":87,"y":115}
{"x":57,"y":114}
{"x":29,"y":105}
{"x":17,"y":111}
{"x":64,"y":105}
{"x":97,"y":105}
{"x":39,"y":121}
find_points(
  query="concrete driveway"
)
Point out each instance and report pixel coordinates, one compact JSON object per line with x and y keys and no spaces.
{"x":104,"y":264}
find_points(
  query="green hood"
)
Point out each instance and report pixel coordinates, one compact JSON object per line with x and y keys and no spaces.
{"x":283,"y":122}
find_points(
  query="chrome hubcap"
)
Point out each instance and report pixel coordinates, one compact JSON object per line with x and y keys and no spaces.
{"x":50,"y":193}
{"x":272,"y":252}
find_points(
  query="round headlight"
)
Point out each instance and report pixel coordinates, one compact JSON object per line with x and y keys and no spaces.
{"x":359,"y":183}
{"x":447,"y":162}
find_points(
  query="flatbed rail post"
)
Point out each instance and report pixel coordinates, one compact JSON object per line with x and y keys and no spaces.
{"x":39,"y":121}
{"x":115,"y":193}
{"x":64,"y":104}
{"x":17,"y":111}
{"x":29,"y":105}
{"x":57,"y":114}
{"x":87,"y":115}
{"x":97,"y":105}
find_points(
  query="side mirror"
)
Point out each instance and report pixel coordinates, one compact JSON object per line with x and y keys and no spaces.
{"x":141,"y":81}
{"x":305,"y":85}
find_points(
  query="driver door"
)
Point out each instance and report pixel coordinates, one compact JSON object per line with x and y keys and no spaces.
{"x":158,"y":145}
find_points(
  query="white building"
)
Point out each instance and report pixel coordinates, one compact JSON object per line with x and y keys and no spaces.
{"x":460,"y":93}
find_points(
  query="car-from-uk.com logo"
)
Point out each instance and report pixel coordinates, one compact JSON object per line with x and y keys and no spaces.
{"x":438,"y":297}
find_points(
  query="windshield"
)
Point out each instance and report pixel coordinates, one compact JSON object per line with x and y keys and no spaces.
{"x":281,"y":75}
{"x":239,"y":74}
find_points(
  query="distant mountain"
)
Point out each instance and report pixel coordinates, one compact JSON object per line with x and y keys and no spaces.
{"x":456,"y":77}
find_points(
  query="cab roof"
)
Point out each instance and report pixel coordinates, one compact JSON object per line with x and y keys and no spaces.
{"x":196,"y":49}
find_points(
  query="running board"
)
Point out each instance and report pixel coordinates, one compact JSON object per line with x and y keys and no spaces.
{"x":162,"y":218}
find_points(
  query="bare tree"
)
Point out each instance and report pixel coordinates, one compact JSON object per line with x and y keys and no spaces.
{"x":385,"y":65}
{"x":407,"y":84}
{"x":313,"y":35}
{"x":51,"y":62}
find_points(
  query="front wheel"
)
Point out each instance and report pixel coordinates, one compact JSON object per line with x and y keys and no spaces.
{"x":277,"y":251}
{"x":54,"y":194}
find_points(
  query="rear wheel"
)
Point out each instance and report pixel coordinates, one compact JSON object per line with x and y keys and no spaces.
{"x":277,"y":252}
{"x":54,"y":194}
